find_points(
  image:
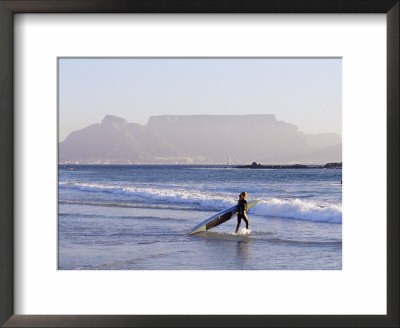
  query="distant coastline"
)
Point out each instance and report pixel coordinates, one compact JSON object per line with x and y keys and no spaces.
{"x":255,"y":165}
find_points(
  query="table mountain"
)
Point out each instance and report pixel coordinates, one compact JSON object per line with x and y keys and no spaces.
{"x":200,"y":139}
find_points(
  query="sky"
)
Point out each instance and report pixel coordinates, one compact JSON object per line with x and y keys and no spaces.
{"x":306,"y":92}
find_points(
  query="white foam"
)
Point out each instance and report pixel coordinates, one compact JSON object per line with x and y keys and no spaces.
{"x":195,"y":198}
{"x":243,"y":231}
{"x":299,"y":209}
{"x":309,"y":210}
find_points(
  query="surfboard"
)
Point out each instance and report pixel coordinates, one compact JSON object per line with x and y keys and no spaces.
{"x":219,"y":218}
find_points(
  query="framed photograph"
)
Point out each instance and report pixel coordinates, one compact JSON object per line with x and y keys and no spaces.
{"x":197,"y":164}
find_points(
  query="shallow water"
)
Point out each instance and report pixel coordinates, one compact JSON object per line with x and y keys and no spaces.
{"x":139,"y":217}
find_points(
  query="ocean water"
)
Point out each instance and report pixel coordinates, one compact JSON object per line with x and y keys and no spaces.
{"x":138,"y":217}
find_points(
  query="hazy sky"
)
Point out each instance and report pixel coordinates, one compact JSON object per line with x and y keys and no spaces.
{"x":304,"y":92}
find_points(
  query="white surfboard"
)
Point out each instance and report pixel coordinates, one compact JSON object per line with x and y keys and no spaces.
{"x":219,"y":218}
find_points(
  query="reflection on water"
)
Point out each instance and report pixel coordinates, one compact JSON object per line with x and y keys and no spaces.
{"x":242,"y":253}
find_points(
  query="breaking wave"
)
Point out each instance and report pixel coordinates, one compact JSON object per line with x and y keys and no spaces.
{"x":300,"y":209}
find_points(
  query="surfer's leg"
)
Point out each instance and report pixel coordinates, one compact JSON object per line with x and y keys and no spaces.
{"x":238,"y":224}
{"x":246,"y":219}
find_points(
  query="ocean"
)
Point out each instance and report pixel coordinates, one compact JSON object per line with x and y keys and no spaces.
{"x":138,"y":217}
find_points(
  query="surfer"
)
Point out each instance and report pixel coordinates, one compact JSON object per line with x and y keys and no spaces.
{"x":242,"y":203}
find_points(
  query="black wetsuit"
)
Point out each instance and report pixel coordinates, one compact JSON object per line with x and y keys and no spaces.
{"x":242,"y":203}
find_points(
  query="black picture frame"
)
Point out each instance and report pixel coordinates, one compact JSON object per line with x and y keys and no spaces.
{"x":10,"y":7}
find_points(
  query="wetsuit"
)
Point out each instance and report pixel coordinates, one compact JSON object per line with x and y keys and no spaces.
{"x":242,"y":203}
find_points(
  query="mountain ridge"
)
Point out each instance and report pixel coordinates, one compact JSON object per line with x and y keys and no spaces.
{"x":197,"y":139}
